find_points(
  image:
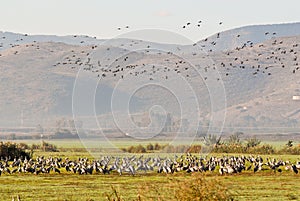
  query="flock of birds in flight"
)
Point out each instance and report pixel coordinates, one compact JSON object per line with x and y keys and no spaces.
{"x":198,"y":24}
{"x":138,"y":164}
{"x":261,"y":62}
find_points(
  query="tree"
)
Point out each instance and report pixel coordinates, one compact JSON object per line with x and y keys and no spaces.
{"x":212,"y":140}
{"x":252,"y":142}
{"x":289,"y":143}
{"x":235,"y":138}
{"x":48,"y":147}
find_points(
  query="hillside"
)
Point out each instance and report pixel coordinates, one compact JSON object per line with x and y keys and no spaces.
{"x":38,"y":78}
{"x":248,"y":35}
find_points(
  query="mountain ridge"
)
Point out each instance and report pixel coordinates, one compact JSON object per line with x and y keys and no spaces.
{"x":37,"y":80}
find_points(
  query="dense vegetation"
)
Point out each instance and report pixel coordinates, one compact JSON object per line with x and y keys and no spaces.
{"x":150,"y":148}
{"x":44,"y":146}
{"x":11,"y":150}
{"x":215,"y":145}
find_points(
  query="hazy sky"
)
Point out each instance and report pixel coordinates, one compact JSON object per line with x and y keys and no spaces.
{"x":102,"y":18}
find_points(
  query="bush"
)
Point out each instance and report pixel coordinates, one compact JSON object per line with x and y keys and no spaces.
{"x":194,"y":149}
{"x":49,"y":147}
{"x":229,"y":148}
{"x":150,"y":147}
{"x":157,"y":146}
{"x":199,"y":187}
{"x":239,"y":148}
{"x":290,"y":150}
{"x":263,"y":149}
{"x":252,"y":142}
{"x":210,"y":140}
{"x":135,"y":149}
{"x":251,"y":147}
{"x":289,"y":143}
{"x":164,"y":148}
{"x":23,"y":146}
{"x":235,"y":138}
{"x":45,"y":146}
{"x":140,"y":149}
{"x":12,"y":150}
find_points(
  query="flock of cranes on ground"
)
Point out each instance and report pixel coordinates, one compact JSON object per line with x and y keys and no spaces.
{"x":139,"y":164}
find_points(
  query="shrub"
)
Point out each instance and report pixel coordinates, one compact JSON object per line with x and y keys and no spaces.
{"x":229,"y":148}
{"x":45,"y":146}
{"x":23,"y":146}
{"x":289,"y":143}
{"x":252,"y":142}
{"x":199,"y":187}
{"x":35,"y":146}
{"x":210,"y":140}
{"x":263,"y":149}
{"x":194,"y":149}
{"x":157,"y":146}
{"x":150,"y":147}
{"x":239,"y":148}
{"x":12,"y":150}
{"x":290,"y":150}
{"x":235,"y":138}
{"x":140,"y":149}
{"x":164,"y":148}
{"x":135,"y":149}
{"x":251,"y":147}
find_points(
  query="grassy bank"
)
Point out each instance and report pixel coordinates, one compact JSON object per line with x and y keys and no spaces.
{"x":250,"y":186}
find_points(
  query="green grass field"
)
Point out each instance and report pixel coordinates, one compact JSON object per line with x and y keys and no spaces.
{"x":246,"y":186}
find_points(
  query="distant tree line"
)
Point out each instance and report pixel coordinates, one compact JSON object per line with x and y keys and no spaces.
{"x":45,"y":146}
{"x":214,"y":144}
{"x":250,"y":146}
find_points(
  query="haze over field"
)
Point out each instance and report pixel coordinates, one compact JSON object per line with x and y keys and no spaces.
{"x":257,"y":65}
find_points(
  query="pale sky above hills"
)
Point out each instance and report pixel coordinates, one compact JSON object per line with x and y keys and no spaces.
{"x":102,"y":18}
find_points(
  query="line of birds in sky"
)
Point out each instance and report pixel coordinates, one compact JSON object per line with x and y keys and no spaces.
{"x":262,"y":62}
{"x":197,"y":24}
